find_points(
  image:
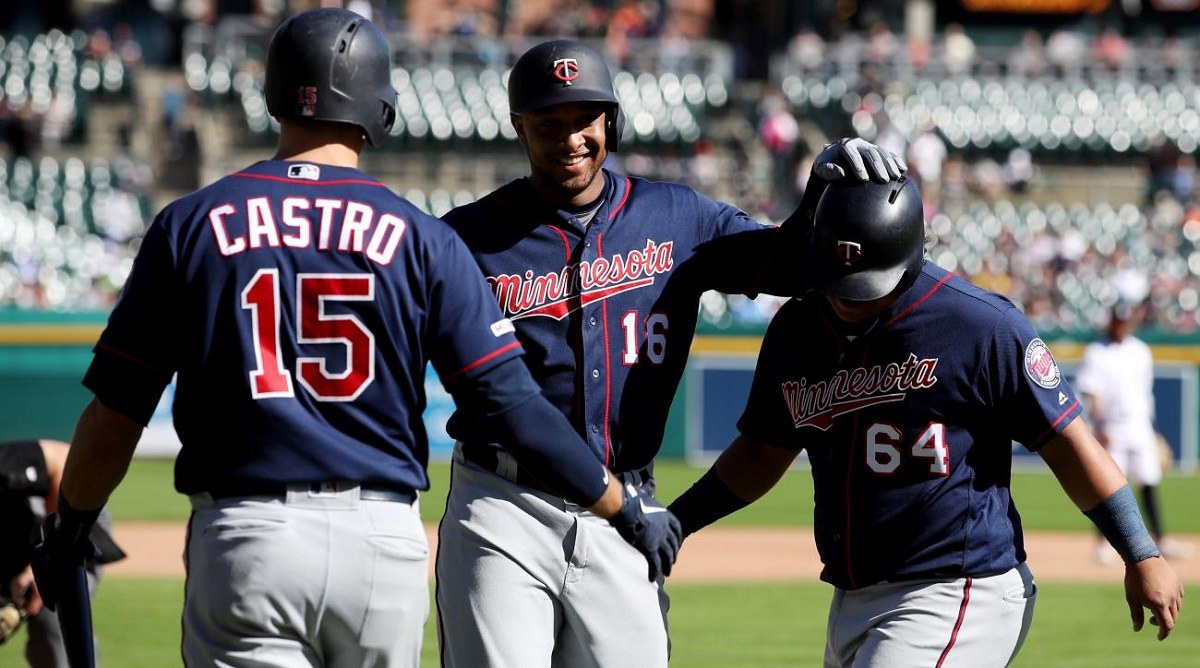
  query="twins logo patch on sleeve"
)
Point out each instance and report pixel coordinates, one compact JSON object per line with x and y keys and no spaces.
{"x":1040,"y":365}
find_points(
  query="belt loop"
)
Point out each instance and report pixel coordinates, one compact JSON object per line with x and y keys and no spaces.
{"x":201,"y":500}
{"x":506,"y":465}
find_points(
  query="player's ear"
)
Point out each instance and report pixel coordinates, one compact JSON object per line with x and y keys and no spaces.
{"x":515,"y":119}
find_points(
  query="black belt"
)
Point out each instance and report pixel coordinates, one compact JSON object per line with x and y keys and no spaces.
{"x":372,"y":492}
{"x":488,"y":458}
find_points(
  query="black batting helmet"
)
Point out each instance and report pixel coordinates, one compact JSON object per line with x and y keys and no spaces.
{"x":560,"y":71}
{"x":331,"y":64}
{"x":867,"y":239}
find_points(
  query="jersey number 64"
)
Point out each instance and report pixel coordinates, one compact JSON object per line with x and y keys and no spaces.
{"x":885,"y":453}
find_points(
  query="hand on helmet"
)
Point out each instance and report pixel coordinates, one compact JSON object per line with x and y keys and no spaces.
{"x":860,"y":159}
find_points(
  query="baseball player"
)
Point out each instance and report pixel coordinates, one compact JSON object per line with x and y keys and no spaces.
{"x":30,"y":473}
{"x":601,"y":274}
{"x":1116,"y":380}
{"x":907,"y":385}
{"x":298,"y":301}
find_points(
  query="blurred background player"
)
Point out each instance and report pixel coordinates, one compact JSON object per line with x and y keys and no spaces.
{"x":1116,"y":382}
{"x":30,"y":474}
{"x":299,"y":301}
{"x":907,"y":386}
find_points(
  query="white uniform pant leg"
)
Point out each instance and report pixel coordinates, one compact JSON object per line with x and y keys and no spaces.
{"x":525,"y":581}
{"x":378,"y":599}
{"x":500,"y":566}
{"x":615,"y":616}
{"x":1135,"y":449}
{"x":967,"y":622}
{"x":325,"y":580}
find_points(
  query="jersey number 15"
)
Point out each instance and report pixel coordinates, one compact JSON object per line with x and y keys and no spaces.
{"x":270,"y":378}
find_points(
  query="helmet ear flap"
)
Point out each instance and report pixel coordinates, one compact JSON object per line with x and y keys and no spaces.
{"x":614,"y":128}
{"x":388,"y":117}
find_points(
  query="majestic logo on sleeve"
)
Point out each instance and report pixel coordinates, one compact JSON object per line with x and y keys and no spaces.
{"x":502,"y":327}
{"x":1040,"y":365}
{"x":554,"y":295}
{"x":819,"y":404}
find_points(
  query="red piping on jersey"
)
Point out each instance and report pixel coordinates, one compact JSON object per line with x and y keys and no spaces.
{"x":1054,"y":425}
{"x":920,"y":300}
{"x":607,"y":363}
{"x":481,"y":360}
{"x":572,"y":304}
{"x":130,"y":358}
{"x":962,"y":612}
{"x":566,"y":242}
{"x":334,"y":182}
{"x":574,"y":301}
{"x":624,"y":198}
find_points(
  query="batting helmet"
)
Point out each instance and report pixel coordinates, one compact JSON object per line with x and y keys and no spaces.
{"x":331,"y":64}
{"x":867,"y":239}
{"x":560,"y":71}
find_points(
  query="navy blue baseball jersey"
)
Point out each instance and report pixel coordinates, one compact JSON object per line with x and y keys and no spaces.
{"x":607,"y":312}
{"x":299,"y":305}
{"x":909,"y":426}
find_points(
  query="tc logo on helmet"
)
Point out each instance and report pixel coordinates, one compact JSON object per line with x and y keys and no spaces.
{"x":566,"y":70}
{"x":849,"y":252}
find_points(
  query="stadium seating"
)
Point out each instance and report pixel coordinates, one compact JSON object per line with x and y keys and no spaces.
{"x":1088,"y":109}
{"x":53,"y":78}
{"x":451,"y":94}
{"x":68,"y":232}
{"x":69,"y":226}
{"x":1059,"y":262}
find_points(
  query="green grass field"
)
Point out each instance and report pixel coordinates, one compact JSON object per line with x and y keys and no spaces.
{"x":146,"y":494}
{"x":712,"y":626}
{"x":725,"y":625}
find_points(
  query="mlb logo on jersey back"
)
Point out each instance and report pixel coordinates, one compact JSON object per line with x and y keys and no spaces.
{"x":1040,"y":364}
{"x":307,"y":172}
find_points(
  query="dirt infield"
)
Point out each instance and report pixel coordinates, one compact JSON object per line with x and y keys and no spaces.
{"x":715,"y":554}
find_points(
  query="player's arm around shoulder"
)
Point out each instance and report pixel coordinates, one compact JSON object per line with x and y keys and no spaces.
{"x":1096,"y":485}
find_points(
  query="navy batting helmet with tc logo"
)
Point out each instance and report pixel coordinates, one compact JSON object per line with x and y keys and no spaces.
{"x":867,"y":239}
{"x":561,"y":71}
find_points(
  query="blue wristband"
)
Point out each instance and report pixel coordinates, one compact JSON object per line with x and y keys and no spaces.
{"x":1119,"y":519}
{"x":705,"y":502}
{"x":73,"y":525}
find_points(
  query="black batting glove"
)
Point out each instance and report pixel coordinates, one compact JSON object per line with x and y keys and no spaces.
{"x":852,"y":156}
{"x":652,"y":529}
{"x":65,"y":546}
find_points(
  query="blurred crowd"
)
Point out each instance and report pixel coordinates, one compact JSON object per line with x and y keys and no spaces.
{"x":990,"y":214}
{"x":992,"y":211}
